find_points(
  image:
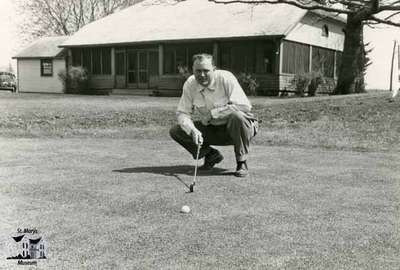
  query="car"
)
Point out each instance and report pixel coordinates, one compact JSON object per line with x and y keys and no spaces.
{"x":8,"y":81}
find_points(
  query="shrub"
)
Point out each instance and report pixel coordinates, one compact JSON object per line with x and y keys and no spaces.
{"x":307,"y":82}
{"x":248,"y":83}
{"x":183,"y":72}
{"x":76,"y":80}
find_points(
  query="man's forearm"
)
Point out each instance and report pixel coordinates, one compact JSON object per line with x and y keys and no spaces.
{"x":224,"y":111}
{"x":185,"y":122}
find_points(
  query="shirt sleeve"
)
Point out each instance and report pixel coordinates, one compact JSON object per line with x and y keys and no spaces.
{"x":185,"y":110}
{"x":237,"y":99}
{"x":235,"y":93}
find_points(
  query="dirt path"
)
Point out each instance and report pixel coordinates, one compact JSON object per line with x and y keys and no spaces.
{"x":114,"y":204}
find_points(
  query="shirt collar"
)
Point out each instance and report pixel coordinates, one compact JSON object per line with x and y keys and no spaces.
{"x":211,"y":86}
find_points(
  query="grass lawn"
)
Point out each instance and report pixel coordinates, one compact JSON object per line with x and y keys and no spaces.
{"x":102,"y":182}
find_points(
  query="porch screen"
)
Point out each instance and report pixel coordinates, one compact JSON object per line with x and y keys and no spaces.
{"x":106,"y":61}
{"x":176,"y":56}
{"x":338,"y":62}
{"x":87,"y":59}
{"x":120,"y":63}
{"x":296,"y":58}
{"x":76,"y":57}
{"x":253,"y":56}
{"x":96,"y":61}
{"x":323,"y":60}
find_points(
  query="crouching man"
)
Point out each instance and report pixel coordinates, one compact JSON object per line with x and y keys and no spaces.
{"x":224,"y":115}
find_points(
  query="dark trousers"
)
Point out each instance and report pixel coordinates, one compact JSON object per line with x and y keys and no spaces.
{"x":238,"y":132}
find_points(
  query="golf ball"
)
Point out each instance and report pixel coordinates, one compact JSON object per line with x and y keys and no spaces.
{"x":185,"y":209}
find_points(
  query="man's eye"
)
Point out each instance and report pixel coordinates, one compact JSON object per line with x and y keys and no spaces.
{"x":202,"y":71}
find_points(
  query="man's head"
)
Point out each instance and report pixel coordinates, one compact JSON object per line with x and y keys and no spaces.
{"x":203,"y":68}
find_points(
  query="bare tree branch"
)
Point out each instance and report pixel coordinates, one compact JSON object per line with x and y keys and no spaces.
{"x":63,"y":17}
{"x":308,"y":5}
{"x":384,"y":21}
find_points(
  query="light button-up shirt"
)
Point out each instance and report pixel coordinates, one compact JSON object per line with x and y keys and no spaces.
{"x":213,"y":103}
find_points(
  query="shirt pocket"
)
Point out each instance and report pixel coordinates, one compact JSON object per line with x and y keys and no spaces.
{"x":200,"y":105}
{"x":221,"y":102}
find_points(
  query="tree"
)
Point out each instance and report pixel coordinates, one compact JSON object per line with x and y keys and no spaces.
{"x":63,"y":17}
{"x":10,"y":68}
{"x":359,"y":12}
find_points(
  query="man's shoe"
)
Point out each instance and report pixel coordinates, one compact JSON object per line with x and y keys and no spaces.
{"x":212,"y":158}
{"x":241,"y":169}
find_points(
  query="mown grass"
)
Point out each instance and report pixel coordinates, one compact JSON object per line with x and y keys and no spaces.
{"x":101,"y":180}
{"x":356,"y":122}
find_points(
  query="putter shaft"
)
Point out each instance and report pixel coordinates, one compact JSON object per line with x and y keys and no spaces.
{"x":195,"y":168}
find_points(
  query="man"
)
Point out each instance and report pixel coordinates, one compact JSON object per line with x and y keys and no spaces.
{"x":224,"y":112}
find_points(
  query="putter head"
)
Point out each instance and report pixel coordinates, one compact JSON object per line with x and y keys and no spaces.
{"x":191,"y":188}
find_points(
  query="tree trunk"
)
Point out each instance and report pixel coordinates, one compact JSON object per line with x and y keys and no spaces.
{"x":351,"y":71}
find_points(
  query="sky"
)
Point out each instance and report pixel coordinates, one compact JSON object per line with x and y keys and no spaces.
{"x":378,"y":73}
{"x":7,"y":35}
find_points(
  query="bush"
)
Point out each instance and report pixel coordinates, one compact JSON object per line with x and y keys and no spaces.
{"x":248,"y":83}
{"x":76,"y":80}
{"x":307,"y":82}
{"x":183,"y":72}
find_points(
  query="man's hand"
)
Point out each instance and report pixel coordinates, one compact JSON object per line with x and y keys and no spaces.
{"x":223,"y":111}
{"x":197,"y":137}
{"x":205,"y":119}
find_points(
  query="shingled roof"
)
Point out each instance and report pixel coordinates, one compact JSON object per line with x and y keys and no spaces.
{"x":153,"y":20}
{"x":43,"y":48}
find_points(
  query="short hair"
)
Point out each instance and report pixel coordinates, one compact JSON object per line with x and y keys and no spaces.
{"x":203,"y":56}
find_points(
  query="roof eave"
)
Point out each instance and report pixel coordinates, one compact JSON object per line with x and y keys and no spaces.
{"x":147,"y":42}
{"x":36,"y":57}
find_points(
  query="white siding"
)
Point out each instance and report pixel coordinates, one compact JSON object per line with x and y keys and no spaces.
{"x":309,"y":31}
{"x":30,"y":80}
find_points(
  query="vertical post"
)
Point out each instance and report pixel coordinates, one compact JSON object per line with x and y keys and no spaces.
{"x":113,"y":61}
{"x":334,"y":65}
{"x":215,"y":53}
{"x":310,"y":59}
{"x":113,"y":75}
{"x":280,"y":57}
{"x":279,"y":63}
{"x":18,"y":77}
{"x":160,"y":60}
{"x":391,"y":66}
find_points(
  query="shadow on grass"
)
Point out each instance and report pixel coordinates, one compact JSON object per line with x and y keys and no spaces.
{"x":175,"y":171}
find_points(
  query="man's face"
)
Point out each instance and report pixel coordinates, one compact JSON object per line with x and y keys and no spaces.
{"x":203,"y":71}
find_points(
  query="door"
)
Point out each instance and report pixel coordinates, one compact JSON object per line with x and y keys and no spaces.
{"x":143,"y":74}
{"x":141,"y":64}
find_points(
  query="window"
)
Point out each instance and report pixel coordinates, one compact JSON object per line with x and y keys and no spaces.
{"x":46,"y":67}
{"x":296,"y":58}
{"x":325,"y":31}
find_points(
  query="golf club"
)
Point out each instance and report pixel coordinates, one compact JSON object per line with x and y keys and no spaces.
{"x":191,"y":187}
